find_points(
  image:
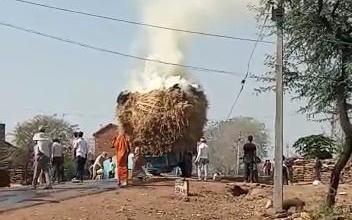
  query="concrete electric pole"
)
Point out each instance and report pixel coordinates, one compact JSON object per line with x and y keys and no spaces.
{"x":239,"y":144}
{"x":278,"y":13}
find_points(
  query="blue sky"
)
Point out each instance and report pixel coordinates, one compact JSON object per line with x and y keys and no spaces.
{"x":44,"y":76}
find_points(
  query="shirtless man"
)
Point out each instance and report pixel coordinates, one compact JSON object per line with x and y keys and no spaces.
{"x":98,"y":164}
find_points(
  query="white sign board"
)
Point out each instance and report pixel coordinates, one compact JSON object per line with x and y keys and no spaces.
{"x":182,"y":187}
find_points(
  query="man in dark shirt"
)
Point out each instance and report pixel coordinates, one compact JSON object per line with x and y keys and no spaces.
{"x":318,"y":166}
{"x":249,"y":155}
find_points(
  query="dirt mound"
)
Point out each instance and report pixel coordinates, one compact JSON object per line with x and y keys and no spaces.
{"x":163,"y":120}
{"x":236,"y":190}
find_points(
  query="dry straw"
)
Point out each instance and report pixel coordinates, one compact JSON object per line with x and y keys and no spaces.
{"x":163,"y":120}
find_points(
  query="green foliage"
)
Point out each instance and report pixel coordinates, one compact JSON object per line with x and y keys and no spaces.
{"x":317,"y":62}
{"x":55,"y":127}
{"x":315,"y":146}
{"x":222,"y":137}
{"x":70,"y":169}
{"x":317,"y":52}
{"x":325,"y":212}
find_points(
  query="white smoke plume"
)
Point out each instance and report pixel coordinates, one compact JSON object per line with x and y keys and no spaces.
{"x":171,"y":46}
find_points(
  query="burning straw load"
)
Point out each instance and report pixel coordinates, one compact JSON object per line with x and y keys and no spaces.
{"x":163,"y":120}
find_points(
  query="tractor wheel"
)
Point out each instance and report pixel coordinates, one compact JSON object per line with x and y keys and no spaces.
{"x":186,"y":166}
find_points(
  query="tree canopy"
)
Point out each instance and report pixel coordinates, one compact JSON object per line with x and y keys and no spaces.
{"x":55,"y":127}
{"x":318,"y":64}
{"x":315,"y":146}
{"x":317,"y":52}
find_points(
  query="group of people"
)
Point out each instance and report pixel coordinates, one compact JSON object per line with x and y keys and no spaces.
{"x":251,"y":160}
{"x":49,"y":153}
{"x":46,"y":153}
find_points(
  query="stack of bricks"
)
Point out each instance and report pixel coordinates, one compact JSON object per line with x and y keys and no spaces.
{"x":298,"y":170}
{"x":304,"y":171}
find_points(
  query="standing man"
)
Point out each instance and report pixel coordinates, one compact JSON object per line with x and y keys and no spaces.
{"x":285,"y":173}
{"x":81,"y":152}
{"x":122,"y":147}
{"x":249,"y":151}
{"x":318,"y":167}
{"x":42,"y":151}
{"x":202,"y":159}
{"x":58,"y":160}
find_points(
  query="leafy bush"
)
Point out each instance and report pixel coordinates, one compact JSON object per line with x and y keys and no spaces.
{"x":330,"y":213}
{"x":70,"y":168}
{"x":316,"y":146}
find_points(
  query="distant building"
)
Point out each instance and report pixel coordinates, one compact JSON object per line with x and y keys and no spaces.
{"x":6,"y":149}
{"x":103,"y":139}
{"x":7,"y":152}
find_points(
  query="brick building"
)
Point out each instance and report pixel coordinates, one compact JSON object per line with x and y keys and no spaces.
{"x":103,"y":139}
{"x":7,"y":154}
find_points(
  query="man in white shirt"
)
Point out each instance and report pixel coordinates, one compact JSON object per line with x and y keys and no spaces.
{"x":81,"y":152}
{"x":58,"y":160}
{"x":42,"y":156}
{"x":202,"y":159}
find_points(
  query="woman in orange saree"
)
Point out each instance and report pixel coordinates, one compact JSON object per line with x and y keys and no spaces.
{"x":122,"y":147}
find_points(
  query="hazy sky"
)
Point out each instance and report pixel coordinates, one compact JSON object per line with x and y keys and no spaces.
{"x":44,"y":76}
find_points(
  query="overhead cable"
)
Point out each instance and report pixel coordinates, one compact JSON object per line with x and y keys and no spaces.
{"x":196,"y":68}
{"x":142,"y":23}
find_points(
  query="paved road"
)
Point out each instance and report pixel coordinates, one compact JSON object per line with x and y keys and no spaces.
{"x":22,"y":196}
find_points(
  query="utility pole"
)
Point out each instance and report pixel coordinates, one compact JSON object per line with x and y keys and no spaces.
{"x":278,"y":13}
{"x":239,"y":143}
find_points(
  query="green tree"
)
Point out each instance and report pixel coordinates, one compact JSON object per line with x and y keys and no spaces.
{"x":315,"y":146}
{"x":222,"y":137}
{"x":55,"y":127}
{"x":318,"y":64}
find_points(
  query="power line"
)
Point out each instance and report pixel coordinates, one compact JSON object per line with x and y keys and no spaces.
{"x":159,"y":26}
{"x":235,"y":102}
{"x":243,"y":82}
{"x":196,"y":68}
{"x":143,"y":24}
{"x":255,"y":47}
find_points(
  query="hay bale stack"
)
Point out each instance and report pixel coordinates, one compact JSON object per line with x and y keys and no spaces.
{"x":163,"y":120}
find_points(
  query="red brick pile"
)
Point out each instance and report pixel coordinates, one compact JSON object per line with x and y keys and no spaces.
{"x":304,"y":171}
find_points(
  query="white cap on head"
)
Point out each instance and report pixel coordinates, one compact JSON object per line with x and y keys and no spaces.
{"x":202,"y":139}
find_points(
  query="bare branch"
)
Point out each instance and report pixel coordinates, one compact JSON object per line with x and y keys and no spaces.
{"x":333,"y":13}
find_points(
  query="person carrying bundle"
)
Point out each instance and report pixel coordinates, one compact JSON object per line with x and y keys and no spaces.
{"x":42,"y":156}
{"x":122,"y":147}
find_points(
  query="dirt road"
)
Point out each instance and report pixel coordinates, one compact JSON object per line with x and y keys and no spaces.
{"x":209,"y":200}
